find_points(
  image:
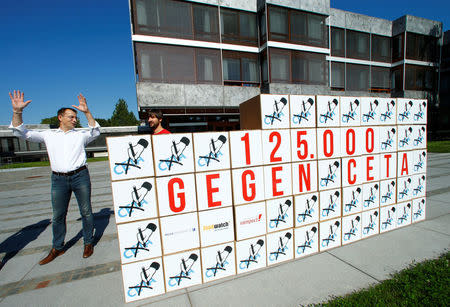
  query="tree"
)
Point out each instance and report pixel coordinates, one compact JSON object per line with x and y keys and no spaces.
{"x":104,"y":122}
{"x":54,"y":122}
{"x":121,"y":116}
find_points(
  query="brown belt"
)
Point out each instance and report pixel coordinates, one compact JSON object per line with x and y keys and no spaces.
{"x":72,"y":172}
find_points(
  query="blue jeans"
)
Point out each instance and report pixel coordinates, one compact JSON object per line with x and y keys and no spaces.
{"x":62,"y":187}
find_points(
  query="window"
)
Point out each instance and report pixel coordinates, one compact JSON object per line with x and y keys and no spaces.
{"x":380,"y":79}
{"x":357,"y":77}
{"x":421,"y":47}
{"x":297,"y":27}
{"x":172,"y":64}
{"x":279,"y":65}
{"x":358,"y":45}
{"x":420,"y":78}
{"x":337,"y":42}
{"x":381,"y":48}
{"x":240,"y":67}
{"x":298,"y":67}
{"x":176,"y":19}
{"x":337,"y":76}
{"x":397,"y":48}
{"x":397,"y":79}
{"x":238,"y":27}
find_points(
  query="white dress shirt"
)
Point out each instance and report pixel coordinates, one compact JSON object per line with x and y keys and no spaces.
{"x":66,"y":150}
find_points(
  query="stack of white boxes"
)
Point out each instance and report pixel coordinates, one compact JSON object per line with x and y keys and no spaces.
{"x":306,"y":174}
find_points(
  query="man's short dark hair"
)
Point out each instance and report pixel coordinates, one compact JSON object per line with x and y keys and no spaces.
{"x":156,"y":112}
{"x":63,"y":110}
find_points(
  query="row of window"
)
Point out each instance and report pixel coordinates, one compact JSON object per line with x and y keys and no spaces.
{"x":188,"y":20}
{"x":174,"y":64}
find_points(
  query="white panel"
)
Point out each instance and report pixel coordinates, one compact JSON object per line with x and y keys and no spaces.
{"x":352,"y":199}
{"x":303,"y":144}
{"x":404,"y":111}
{"x":330,"y":234}
{"x":303,"y":111}
{"x":371,"y":195}
{"x":388,"y":192}
{"x":216,"y":226}
{"x":179,"y":232}
{"x":404,"y":189}
{"x":387,"y":114}
{"x":218,"y":261}
{"x":277,"y":180}
{"x":405,"y":137}
{"x":328,"y":143}
{"x":274,"y":111}
{"x":329,"y":174}
{"x":248,"y":185}
{"x":350,"y":111}
{"x":388,"y":138}
{"x":182,"y":270}
{"x":404,"y":213}
{"x":280,"y":246}
{"x":276,"y":146}
{"x":371,"y":140}
{"x":419,"y":185}
{"x":304,"y":177}
{"x":213,"y":189}
{"x":388,"y":218}
{"x":419,"y":112}
{"x":370,"y":111}
{"x":130,"y":157}
{"x":330,"y":204}
{"x":246,"y":148}
{"x":388,"y":165}
{"x":406,"y":163}
{"x":370,"y":223}
{"x":306,"y":240}
{"x":328,"y":111}
{"x":352,"y":141}
{"x":211,"y":151}
{"x":139,"y":240}
{"x":419,"y":161}
{"x":174,"y":154}
{"x":250,"y":220}
{"x":307,"y":207}
{"x":371,"y":168}
{"x":134,"y":200}
{"x":419,"y":209}
{"x":176,"y":194}
{"x":419,"y":137}
{"x":280,"y":214}
{"x":351,"y":228}
{"x":251,"y":254}
{"x":143,"y":279}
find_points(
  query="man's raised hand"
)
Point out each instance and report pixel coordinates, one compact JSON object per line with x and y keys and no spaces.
{"x":17,"y":101}
{"x":82,"y":104}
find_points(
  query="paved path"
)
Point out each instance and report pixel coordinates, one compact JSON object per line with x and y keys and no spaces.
{"x":70,"y":280}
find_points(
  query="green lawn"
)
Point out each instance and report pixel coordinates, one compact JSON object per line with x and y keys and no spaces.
{"x":438,"y":146}
{"x":422,"y":284}
{"x":44,"y":163}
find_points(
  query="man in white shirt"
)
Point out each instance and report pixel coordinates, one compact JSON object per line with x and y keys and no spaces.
{"x":66,"y":152}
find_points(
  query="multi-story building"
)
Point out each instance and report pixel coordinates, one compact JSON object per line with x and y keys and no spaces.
{"x":198,"y":60}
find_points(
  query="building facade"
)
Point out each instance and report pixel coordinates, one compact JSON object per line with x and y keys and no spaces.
{"x":198,"y":60}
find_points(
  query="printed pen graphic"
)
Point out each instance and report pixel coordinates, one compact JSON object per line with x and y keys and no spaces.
{"x":134,"y":155}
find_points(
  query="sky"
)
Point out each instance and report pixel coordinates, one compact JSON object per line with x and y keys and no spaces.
{"x":52,"y":50}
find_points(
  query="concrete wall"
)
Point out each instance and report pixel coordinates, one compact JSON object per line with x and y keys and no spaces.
{"x":247,"y":5}
{"x":315,"y":6}
{"x":192,"y":95}
{"x":423,"y":26}
{"x":359,"y":22}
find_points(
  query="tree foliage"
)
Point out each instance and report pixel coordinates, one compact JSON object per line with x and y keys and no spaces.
{"x":121,"y":116}
{"x":104,"y":122}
